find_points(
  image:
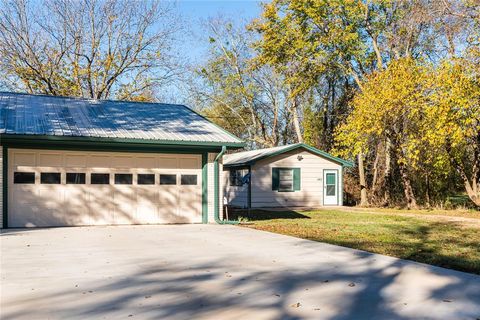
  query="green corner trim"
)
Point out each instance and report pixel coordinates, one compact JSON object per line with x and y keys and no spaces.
{"x":249,"y":195}
{"x":5,"y":187}
{"x":204,"y":187}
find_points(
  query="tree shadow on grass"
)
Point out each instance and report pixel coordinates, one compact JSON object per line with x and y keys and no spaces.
{"x":259,"y":214}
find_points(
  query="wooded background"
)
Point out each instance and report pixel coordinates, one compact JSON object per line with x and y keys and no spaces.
{"x":391,"y":84}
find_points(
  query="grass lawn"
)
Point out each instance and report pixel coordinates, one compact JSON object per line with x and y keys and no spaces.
{"x":449,"y":239}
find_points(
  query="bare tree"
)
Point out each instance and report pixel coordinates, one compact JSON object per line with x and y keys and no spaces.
{"x":87,"y":48}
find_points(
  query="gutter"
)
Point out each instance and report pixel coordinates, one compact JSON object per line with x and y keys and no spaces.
{"x":216,"y":188}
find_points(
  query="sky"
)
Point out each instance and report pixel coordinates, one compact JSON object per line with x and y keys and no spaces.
{"x":196,"y":11}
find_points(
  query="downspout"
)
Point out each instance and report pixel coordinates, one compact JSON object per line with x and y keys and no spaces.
{"x":216,"y":211}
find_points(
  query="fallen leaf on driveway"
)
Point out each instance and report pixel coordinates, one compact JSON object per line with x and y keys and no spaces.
{"x":296,"y":305}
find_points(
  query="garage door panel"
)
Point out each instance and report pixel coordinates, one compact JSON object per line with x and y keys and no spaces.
{"x":147,"y":202}
{"x":167,"y":162}
{"x":75,"y":160}
{"x":98,"y":161}
{"x":24,"y":159}
{"x":50,"y":160}
{"x":100,"y":200}
{"x":77,"y":205}
{"x":124,"y":205}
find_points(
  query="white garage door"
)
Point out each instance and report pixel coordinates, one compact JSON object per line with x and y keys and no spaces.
{"x":63,"y":188}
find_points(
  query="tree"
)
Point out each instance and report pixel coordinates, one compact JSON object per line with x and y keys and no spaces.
{"x":453,"y":121}
{"x":251,"y":101}
{"x":390,"y":106}
{"x":91,"y":48}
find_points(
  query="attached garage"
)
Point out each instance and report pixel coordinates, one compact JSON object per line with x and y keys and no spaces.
{"x":72,"y":162}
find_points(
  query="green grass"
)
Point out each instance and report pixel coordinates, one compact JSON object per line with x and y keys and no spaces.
{"x":433,"y":237}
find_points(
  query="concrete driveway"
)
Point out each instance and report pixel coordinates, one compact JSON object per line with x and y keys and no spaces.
{"x":216,"y":272}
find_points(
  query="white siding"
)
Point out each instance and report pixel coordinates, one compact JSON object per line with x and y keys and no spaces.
{"x":236,"y":196}
{"x":1,"y":187}
{"x":211,"y":188}
{"x":311,"y":191}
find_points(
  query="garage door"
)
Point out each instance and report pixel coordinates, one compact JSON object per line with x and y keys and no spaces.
{"x":63,"y":188}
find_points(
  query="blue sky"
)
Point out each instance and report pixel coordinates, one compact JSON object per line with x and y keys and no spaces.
{"x":194,"y":11}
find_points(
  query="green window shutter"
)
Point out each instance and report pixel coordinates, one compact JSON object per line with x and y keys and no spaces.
{"x":296,"y":179}
{"x":275,"y":179}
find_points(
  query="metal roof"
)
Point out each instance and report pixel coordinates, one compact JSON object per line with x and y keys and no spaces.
{"x":250,"y":157}
{"x":26,"y":114}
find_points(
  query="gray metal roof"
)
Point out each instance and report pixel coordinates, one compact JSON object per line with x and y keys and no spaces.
{"x":250,"y":157}
{"x":25,"y":114}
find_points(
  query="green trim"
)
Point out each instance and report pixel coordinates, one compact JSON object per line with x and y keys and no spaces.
{"x":204,"y":187}
{"x":8,"y":139}
{"x":5,"y":187}
{"x":249,"y":192}
{"x":316,"y":151}
{"x":325,"y":190}
{"x":275,"y":178}
{"x":297,"y":184}
{"x":340,"y":203}
{"x":216,"y":193}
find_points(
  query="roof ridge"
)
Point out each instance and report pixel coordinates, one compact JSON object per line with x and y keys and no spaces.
{"x":90,"y":99}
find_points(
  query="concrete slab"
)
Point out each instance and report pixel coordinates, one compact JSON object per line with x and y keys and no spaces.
{"x":216,"y":272}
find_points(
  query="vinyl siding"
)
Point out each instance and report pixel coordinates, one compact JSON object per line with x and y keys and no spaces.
{"x":211,"y":188}
{"x":236,"y":196}
{"x":311,"y":192}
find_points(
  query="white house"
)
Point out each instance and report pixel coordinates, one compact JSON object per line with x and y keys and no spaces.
{"x":296,"y":175}
{"x":68,"y":162}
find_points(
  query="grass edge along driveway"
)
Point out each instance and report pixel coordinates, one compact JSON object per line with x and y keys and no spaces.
{"x":449,"y":239}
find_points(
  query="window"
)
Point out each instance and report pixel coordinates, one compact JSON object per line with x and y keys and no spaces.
{"x":145,"y":178}
{"x":285,"y":180}
{"x":24,"y":177}
{"x":188,"y":179}
{"x":238,"y":177}
{"x":100,"y":178}
{"x":50,"y":178}
{"x":123,"y":178}
{"x":75,"y":178}
{"x":331,"y":184}
{"x":168,"y":179}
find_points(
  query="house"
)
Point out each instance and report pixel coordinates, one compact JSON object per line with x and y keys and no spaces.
{"x":69,"y":162}
{"x":295,"y":175}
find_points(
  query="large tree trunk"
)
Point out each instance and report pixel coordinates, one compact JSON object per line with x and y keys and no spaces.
{"x":388,"y":171}
{"x":407,"y":187}
{"x":296,"y":121}
{"x":363,"y":184}
{"x":472,"y":187}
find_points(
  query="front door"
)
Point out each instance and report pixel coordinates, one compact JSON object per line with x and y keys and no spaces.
{"x":330,"y":187}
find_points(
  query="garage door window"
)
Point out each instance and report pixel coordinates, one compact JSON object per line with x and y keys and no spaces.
{"x":75,"y":178}
{"x":50,"y":178}
{"x":145,"y":178}
{"x":189,"y":179}
{"x":100,"y":178}
{"x":168,"y":179}
{"x":123,"y":178}
{"x":24,"y":177}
